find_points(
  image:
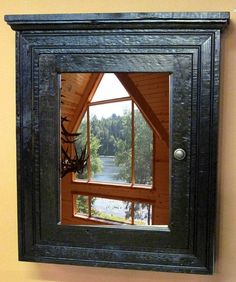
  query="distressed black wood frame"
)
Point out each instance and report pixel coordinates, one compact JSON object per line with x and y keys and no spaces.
{"x":184,"y":44}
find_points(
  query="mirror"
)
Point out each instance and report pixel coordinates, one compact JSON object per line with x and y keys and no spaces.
{"x":115,"y":148}
{"x":81,"y":150}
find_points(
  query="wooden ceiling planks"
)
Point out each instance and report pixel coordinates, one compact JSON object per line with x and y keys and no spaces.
{"x":154,"y":87}
{"x":73,"y":86}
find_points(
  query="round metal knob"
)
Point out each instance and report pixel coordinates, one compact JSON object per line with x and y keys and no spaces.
{"x":179,"y":154}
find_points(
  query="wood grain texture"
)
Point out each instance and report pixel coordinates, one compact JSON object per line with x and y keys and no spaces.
{"x":184,"y":44}
{"x":175,"y":20}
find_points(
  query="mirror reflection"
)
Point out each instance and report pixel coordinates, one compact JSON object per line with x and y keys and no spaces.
{"x":115,"y":148}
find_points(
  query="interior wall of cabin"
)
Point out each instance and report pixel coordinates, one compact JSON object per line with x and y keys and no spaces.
{"x":13,"y":270}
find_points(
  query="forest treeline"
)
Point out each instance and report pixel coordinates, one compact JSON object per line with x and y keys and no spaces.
{"x":110,"y":130}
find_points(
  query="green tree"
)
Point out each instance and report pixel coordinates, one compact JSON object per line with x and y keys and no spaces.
{"x":143,"y":149}
{"x":82,"y":204}
{"x":95,"y":161}
{"x":123,"y":160}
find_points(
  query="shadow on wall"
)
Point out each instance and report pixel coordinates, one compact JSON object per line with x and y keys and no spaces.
{"x":67,"y":273}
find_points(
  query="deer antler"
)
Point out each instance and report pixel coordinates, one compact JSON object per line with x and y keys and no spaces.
{"x":71,"y":163}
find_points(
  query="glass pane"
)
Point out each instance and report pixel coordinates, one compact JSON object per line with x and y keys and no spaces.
{"x":125,"y":148}
{"x":81,"y":144}
{"x":82,"y":205}
{"x":109,"y":88}
{"x":113,"y":210}
{"x":110,"y":142}
{"x":143,"y":149}
{"x":142,"y":214}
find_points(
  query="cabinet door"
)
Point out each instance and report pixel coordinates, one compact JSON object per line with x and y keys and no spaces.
{"x":186,"y":47}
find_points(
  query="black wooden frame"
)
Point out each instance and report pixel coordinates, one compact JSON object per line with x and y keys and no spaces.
{"x":183,"y":44}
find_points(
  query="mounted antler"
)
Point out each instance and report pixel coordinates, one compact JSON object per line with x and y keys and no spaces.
{"x":71,"y":162}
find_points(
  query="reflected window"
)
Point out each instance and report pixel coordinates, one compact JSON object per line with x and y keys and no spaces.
{"x":118,"y":127}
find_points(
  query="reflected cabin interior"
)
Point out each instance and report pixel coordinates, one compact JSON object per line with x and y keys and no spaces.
{"x":148,"y":94}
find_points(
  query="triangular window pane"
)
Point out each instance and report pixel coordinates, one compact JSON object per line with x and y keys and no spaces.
{"x":109,"y":88}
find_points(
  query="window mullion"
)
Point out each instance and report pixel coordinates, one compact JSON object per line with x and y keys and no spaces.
{"x":109,"y":101}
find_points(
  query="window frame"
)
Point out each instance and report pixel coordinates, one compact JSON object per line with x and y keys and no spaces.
{"x":187,"y":45}
{"x":86,"y":111}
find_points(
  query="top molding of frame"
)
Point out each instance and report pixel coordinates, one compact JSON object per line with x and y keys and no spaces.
{"x":196,"y":20}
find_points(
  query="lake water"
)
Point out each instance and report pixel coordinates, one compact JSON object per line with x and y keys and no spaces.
{"x":109,"y":172}
{"x":110,"y":208}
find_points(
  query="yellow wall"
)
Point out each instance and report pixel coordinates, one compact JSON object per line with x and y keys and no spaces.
{"x":12,"y":270}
